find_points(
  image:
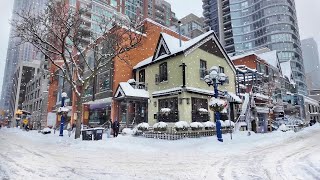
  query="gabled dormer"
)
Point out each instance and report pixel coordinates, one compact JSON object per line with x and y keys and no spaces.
{"x":161,"y":49}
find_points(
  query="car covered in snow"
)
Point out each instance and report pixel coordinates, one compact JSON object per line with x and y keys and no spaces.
{"x":46,"y":131}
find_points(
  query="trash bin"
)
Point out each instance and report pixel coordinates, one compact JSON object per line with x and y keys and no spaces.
{"x":87,"y":135}
{"x":98,"y":133}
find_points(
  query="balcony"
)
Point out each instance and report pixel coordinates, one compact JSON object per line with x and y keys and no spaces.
{"x":206,"y":13}
{"x":206,"y":6}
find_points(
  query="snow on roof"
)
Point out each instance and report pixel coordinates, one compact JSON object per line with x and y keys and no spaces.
{"x":162,"y":26}
{"x":173,"y":46}
{"x":261,"y":96}
{"x":166,"y":91}
{"x":100,"y":101}
{"x":144,"y":62}
{"x":310,"y":100}
{"x":242,"y":55}
{"x":286,"y":70}
{"x":128,"y":90}
{"x":198,"y":90}
{"x":235,"y":97}
{"x":271,"y":58}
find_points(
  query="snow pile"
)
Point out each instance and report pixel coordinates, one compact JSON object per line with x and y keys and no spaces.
{"x":209,"y":124}
{"x":242,"y":123}
{"x":131,"y":81}
{"x":227,"y":123}
{"x":181,"y":124}
{"x":160,"y":126}
{"x":202,"y":110}
{"x":46,"y":131}
{"x":143,"y":126}
{"x":63,"y":109}
{"x":128,"y":131}
{"x":283,"y":128}
{"x":222,"y":123}
{"x":165,"y":110}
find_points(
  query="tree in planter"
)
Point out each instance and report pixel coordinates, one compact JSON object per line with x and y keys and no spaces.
{"x":62,"y":36}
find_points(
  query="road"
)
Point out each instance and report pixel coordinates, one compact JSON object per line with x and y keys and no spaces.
{"x":34,"y":156}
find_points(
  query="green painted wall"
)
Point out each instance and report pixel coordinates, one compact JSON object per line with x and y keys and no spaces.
{"x":193,"y":70}
{"x":193,"y":80}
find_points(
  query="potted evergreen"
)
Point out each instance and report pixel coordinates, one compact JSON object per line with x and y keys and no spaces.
{"x":196,"y":126}
{"x":143,"y":126}
{"x":181,"y":126}
{"x":160,"y":126}
{"x":209,"y":125}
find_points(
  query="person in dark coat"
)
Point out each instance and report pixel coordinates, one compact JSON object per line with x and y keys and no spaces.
{"x":115,"y":127}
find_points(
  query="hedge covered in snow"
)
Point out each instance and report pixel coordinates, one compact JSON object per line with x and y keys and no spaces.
{"x":181,"y":126}
{"x":196,"y":126}
{"x":209,"y":125}
{"x":143,"y":126}
{"x":160,"y":126}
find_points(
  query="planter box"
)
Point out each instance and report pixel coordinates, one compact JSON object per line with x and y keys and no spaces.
{"x":160,"y":129}
{"x":196,"y":129}
{"x":181,"y":129}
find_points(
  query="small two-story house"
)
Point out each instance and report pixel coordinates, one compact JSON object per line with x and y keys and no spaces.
{"x":172,"y":81}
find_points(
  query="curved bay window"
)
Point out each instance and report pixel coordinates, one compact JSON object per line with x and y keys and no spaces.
{"x":172,"y":104}
{"x":198,"y":110}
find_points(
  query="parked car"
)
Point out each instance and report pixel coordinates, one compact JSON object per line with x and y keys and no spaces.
{"x":46,"y":131}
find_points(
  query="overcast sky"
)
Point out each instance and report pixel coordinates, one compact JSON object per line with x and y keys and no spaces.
{"x":308,"y":19}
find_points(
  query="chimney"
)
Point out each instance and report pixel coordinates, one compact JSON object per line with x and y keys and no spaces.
{"x":179,"y":29}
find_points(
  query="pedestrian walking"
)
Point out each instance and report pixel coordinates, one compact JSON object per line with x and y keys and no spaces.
{"x":115,"y":128}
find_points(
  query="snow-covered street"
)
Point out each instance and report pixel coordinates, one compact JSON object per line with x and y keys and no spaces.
{"x":278,"y":155}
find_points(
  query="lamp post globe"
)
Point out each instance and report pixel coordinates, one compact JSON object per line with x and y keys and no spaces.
{"x":222,"y":77}
{"x":208,"y":80}
{"x":213,"y":74}
{"x":64,"y":95}
{"x":214,"y":68}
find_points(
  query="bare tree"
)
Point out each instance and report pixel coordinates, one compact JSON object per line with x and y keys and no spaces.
{"x":62,"y":34}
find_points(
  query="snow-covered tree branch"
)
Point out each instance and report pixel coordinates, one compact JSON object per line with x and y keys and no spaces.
{"x":63,"y":34}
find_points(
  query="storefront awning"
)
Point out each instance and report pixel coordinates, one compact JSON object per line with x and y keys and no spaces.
{"x":232,"y":97}
{"x":100,"y":103}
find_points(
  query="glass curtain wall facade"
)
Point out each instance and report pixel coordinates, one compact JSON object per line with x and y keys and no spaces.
{"x":249,"y":25}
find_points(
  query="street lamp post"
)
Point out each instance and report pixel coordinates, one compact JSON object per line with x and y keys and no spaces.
{"x":215,"y":78}
{"x":62,"y":110}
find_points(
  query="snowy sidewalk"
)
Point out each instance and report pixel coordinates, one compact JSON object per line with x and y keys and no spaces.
{"x":278,"y":155}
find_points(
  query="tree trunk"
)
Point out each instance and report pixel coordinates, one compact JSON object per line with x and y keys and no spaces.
{"x":79,"y":116}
